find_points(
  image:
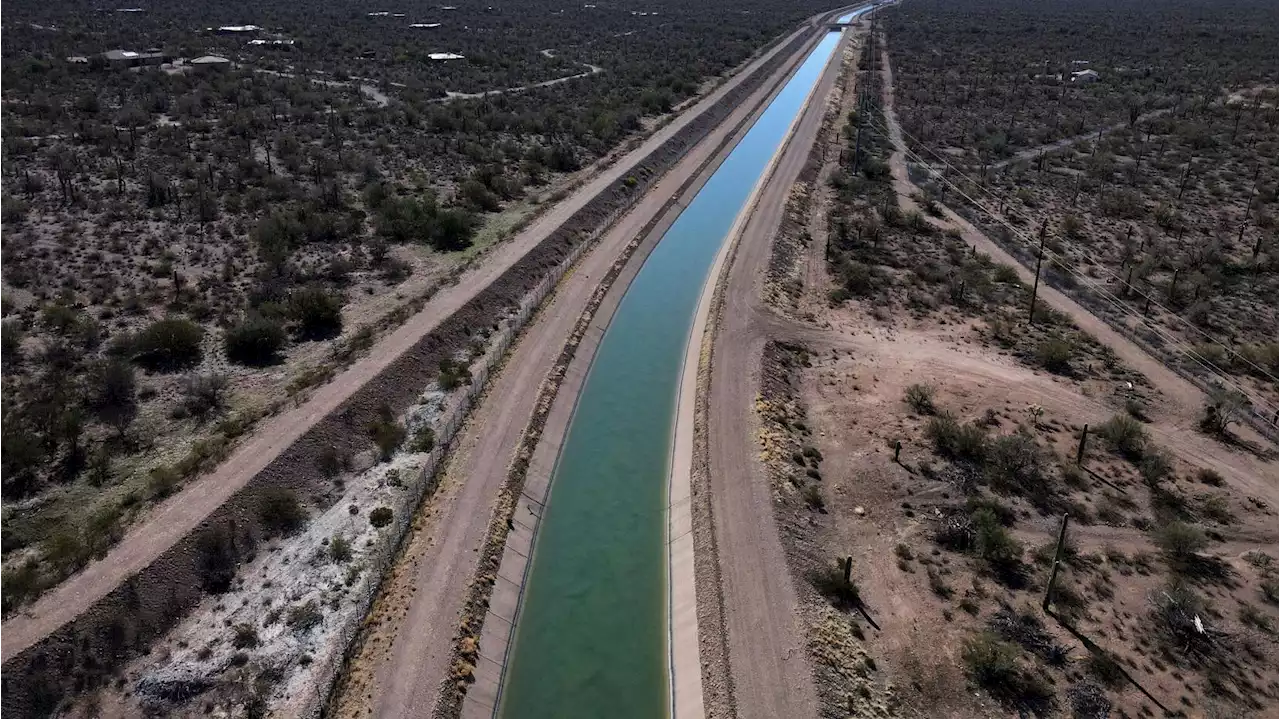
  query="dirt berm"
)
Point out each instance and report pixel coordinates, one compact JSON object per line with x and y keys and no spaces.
{"x":86,"y":650}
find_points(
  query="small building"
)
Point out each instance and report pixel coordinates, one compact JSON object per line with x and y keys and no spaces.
{"x":207,"y":63}
{"x":1084,"y":77}
{"x":133,"y":58}
{"x":78,"y":60}
{"x":236,"y":30}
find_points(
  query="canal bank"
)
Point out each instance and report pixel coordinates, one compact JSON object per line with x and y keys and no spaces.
{"x":591,"y":631}
{"x":510,"y":576}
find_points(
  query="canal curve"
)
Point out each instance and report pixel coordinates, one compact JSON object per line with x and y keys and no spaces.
{"x":591,"y":634}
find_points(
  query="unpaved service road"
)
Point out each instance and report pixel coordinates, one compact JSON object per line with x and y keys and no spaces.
{"x":399,"y":670}
{"x":767,"y":657}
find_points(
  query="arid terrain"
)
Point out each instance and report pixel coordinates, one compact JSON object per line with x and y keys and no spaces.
{"x":910,"y":416}
{"x":236,"y":450}
{"x":298,"y":301}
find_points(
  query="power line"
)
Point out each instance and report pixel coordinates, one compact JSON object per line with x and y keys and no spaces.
{"x":1106,"y":296}
{"x":1005,"y":202}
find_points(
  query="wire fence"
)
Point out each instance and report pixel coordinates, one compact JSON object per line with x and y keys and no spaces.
{"x":380,"y":558}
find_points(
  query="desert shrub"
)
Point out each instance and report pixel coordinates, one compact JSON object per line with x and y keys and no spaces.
{"x":216,"y":559}
{"x":332,"y":462}
{"x":1027,"y":630}
{"x":316,"y":312}
{"x":204,"y":394}
{"x":255,"y":342}
{"x":1180,"y":543}
{"x":955,"y":440}
{"x":280,"y":511}
{"x":920,"y":398}
{"x":830,"y":583}
{"x":1124,"y":435}
{"x":1222,"y":408}
{"x":990,"y":661}
{"x":1181,"y":620}
{"x":167,"y":345}
{"x":1002,"y":512}
{"x":303,"y":617}
{"x":1015,"y":464}
{"x":163,"y":481}
{"x":20,"y":584}
{"x":993,"y":543}
{"x":992,"y":664}
{"x":380,"y":517}
{"x":1156,"y":465}
{"x":424,"y":439}
{"x":812,"y":495}
{"x":1215,"y":507}
{"x":115,"y":393}
{"x":244,"y":636}
{"x":1054,"y":354}
{"x":1271,"y":589}
{"x":1251,"y":617}
{"x":386,"y":432}
{"x":11,"y":336}
{"x":339,"y":549}
{"x":452,"y":374}
{"x":1210,"y":477}
{"x":1088,"y":701}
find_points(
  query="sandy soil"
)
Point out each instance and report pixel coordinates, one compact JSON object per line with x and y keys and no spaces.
{"x":404,"y":658}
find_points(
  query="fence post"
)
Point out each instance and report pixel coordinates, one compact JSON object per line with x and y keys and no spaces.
{"x":1084,"y":437}
{"x":1057,"y":563}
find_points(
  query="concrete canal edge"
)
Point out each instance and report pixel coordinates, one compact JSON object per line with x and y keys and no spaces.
{"x":689,"y":521}
{"x":548,"y":428}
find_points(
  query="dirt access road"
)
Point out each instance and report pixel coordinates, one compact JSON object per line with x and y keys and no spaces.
{"x":177,"y":516}
{"x":399,"y":668}
{"x":1182,"y":402}
{"x":768,"y":663}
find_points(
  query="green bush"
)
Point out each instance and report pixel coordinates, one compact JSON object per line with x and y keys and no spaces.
{"x":955,"y":440}
{"x":424,"y":439}
{"x":452,"y":374}
{"x":339,"y":549}
{"x":11,"y":336}
{"x":255,"y":342}
{"x":387,"y":433}
{"x":168,"y":345}
{"x":920,"y":398}
{"x":1015,"y":464}
{"x":163,"y":481}
{"x":380,"y":517}
{"x":303,"y":617}
{"x":316,"y":312}
{"x":1124,"y":435}
{"x":280,"y":511}
{"x":216,"y":559}
{"x":993,"y":543}
{"x":244,"y":636}
{"x":1054,"y":354}
{"x":990,"y":662}
{"x":1180,"y":543}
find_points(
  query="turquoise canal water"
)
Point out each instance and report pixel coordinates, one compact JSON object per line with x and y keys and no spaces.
{"x":591,"y":639}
